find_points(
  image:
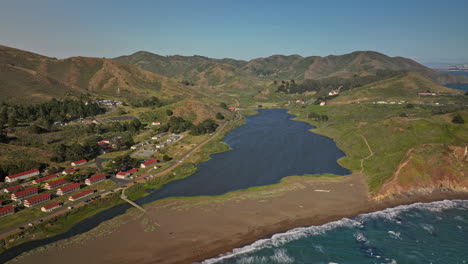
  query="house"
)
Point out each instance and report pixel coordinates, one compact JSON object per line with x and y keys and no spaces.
{"x":95,"y":179}
{"x":55,"y":184}
{"x":68,"y":188}
{"x":125,"y":174}
{"x":79,"y":162}
{"x":156,"y":123}
{"x":122,"y":175}
{"x":24,"y":194}
{"x":333,"y":92}
{"x":148,"y":163}
{"x":30,"y":202}
{"x":232,"y":108}
{"x":12,"y":188}
{"x":68,"y":171}
{"x":426,"y":93}
{"x":36,"y":181}
{"x":22,"y":175}
{"x":81,"y":195}
{"x":299,"y":101}
{"x":322,"y":103}
{"x":7,"y":210}
{"x":50,"y":207}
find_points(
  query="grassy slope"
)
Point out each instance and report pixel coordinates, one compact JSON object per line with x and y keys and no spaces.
{"x":389,"y":135}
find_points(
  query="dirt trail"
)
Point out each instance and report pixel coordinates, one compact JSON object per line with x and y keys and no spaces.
{"x":370,"y":155}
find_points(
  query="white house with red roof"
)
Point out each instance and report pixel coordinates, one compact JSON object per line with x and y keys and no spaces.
{"x":125,"y":174}
{"x":50,"y":207}
{"x":81,"y":195}
{"x":156,"y":123}
{"x":68,"y":188}
{"x":43,"y":197}
{"x":79,"y":162}
{"x":68,"y":171}
{"x":148,"y":163}
{"x":322,"y":103}
{"x":55,"y":184}
{"x":24,"y":194}
{"x":46,"y":178}
{"x":12,"y":188}
{"x":22,"y":175}
{"x":95,"y":179}
{"x":7,"y":210}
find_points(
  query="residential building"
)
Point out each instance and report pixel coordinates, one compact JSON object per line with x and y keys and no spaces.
{"x":30,"y":202}
{"x":95,"y":179}
{"x":50,"y":207}
{"x":12,"y":188}
{"x":232,"y":108}
{"x":7,"y":210}
{"x":156,"y":123}
{"x":24,"y":194}
{"x":22,"y":175}
{"x":46,"y":178}
{"x":322,"y":103}
{"x":149,"y":163}
{"x":79,"y":162}
{"x":81,"y":195}
{"x":68,"y":188}
{"x":125,"y":174}
{"x":55,"y":184}
{"x":68,"y":171}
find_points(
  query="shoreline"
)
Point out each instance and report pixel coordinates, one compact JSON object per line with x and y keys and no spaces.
{"x":299,"y":223}
{"x":198,"y":229}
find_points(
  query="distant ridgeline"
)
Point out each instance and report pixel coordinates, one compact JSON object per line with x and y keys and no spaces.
{"x":332,"y":83}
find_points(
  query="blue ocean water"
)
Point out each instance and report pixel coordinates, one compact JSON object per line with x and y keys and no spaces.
{"x":419,"y":233}
{"x":462,"y":86}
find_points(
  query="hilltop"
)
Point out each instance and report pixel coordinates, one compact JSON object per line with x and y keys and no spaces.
{"x":38,"y":78}
{"x":195,"y":68}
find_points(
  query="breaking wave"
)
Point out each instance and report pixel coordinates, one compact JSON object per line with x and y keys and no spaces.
{"x":391,"y":214}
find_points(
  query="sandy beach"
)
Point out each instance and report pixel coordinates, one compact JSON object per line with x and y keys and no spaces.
{"x":191,"y":230}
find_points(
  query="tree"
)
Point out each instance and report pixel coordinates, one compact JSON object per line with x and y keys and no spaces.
{"x":12,"y":122}
{"x":223,"y":105}
{"x":458,"y":119}
{"x":169,"y":112}
{"x":166,"y":157}
{"x":219,"y":116}
{"x":409,"y":106}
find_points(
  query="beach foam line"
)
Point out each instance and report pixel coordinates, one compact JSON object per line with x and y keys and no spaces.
{"x":297,"y":233}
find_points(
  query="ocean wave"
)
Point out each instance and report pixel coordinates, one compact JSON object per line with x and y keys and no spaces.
{"x":298,"y":233}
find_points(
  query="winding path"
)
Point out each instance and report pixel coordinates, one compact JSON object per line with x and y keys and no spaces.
{"x":370,"y":155}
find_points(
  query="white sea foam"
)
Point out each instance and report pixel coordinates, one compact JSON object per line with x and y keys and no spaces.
{"x":297,"y":233}
{"x":395,"y":235}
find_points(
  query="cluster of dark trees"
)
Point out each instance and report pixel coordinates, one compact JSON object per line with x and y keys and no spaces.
{"x":188,"y":83}
{"x":123,"y":163}
{"x":147,"y":102}
{"x":49,"y":112}
{"x":177,"y":124}
{"x":317,"y":117}
{"x":331,"y":83}
{"x":133,"y":126}
{"x":458,"y":119}
{"x":205,"y":127}
{"x":445,"y":109}
{"x":87,"y":150}
{"x":219,"y":116}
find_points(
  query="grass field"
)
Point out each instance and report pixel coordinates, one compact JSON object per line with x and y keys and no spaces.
{"x":388,"y":134}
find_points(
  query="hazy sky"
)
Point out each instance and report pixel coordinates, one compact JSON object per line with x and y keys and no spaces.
{"x":426,"y":30}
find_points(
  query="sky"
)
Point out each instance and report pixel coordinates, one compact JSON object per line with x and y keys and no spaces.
{"x":427,"y":31}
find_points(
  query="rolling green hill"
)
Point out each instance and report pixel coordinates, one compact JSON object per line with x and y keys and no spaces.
{"x":196,"y":68}
{"x":38,"y":78}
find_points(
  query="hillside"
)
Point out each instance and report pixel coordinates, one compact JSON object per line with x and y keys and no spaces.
{"x":195,"y":68}
{"x":39,"y":78}
{"x":403,"y":88}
